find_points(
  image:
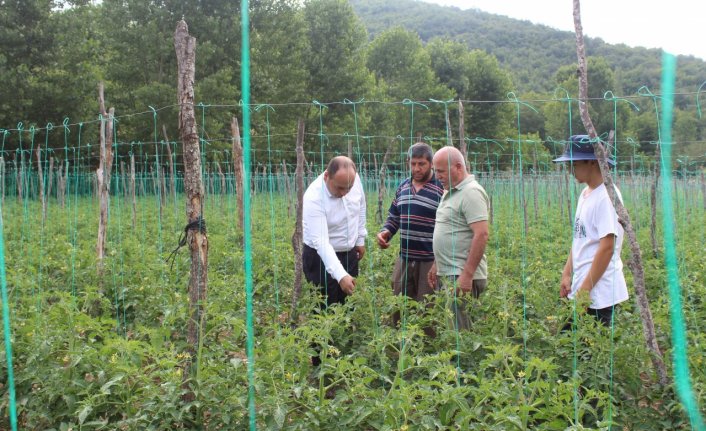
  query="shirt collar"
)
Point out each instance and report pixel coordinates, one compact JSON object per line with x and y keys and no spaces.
{"x":470,"y":178}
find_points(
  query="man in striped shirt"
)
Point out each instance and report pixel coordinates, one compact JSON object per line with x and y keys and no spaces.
{"x":412,"y":213}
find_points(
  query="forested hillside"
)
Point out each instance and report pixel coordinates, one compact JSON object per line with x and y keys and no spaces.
{"x":532,"y":53}
{"x":351,"y":70}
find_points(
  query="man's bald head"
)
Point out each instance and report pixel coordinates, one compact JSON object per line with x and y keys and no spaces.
{"x":340,"y":176}
{"x":339,"y":162}
{"x":451,"y":156}
{"x":449,"y":166}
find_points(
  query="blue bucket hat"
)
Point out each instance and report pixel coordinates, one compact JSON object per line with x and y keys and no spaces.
{"x":580,"y":147}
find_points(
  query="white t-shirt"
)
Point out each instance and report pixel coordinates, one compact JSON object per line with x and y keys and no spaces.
{"x":595,"y":219}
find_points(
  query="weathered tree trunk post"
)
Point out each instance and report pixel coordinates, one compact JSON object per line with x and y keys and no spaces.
{"x":703,"y":187}
{"x":535,"y":192}
{"x":297,"y":236}
{"x":653,"y":201}
{"x":287,"y":188}
{"x":2,"y":181}
{"x":40,"y":178}
{"x":133,"y":198}
{"x":51,"y":176}
{"x":238,"y":168}
{"x":18,"y":177}
{"x":185,"y":46}
{"x":382,"y":190}
{"x":635,"y":262}
{"x":103,"y":174}
{"x":223,"y":182}
{"x":172,"y":179}
{"x":63,"y":179}
{"x":462,"y":135}
{"x":123,"y":180}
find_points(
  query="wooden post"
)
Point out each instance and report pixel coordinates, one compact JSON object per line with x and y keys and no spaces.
{"x":449,"y":133}
{"x":2,"y":185}
{"x":171,"y":162}
{"x":223,"y":181}
{"x":653,"y":202}
{"x":18,"y":177}
{"x":51,"y":176}
{"x":238,"y":169}
{"x":40,"y":177}
{"x":703,"y":188}
{"x":63,"y":178}
{"x":164,"y":186}
{"x":297,"y":236}
{"x":287,"y":188}
{"x":132,"y":190}
{"x":635,"y":262}
{"x":103,"y":175}
{"x":462,"y":135}
{"x":185,"y":46}
{"x":381,"y":187}
{"x":123,"y":179}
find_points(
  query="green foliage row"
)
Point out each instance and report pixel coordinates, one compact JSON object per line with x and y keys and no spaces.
{"x":106,"y":352}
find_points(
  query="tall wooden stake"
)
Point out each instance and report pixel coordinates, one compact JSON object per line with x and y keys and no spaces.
{"x":653,"y":202}
{"x":40,"y":177}
{"x":103,"y":174}
{"x":635,"y":262}
{"x":462,"y":135}
{"x":238,"y":169}
{"x":185,"y":46}
{"x":133,"y":198}
{"x":381,"y":187}
{"x":51,"y":176}
{"x":297,"y":236}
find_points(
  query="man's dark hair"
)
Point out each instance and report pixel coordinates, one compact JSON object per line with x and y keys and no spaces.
{"x":420,"y":149}
{"x":339,"y":162}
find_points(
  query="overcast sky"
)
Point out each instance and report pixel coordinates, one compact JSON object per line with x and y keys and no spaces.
{"x":678,"y":26}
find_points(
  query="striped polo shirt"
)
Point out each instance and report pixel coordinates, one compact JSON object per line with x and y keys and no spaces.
{"x":412,"y":213}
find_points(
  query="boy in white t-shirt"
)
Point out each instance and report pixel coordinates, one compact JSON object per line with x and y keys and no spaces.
{"x":594,"y":266}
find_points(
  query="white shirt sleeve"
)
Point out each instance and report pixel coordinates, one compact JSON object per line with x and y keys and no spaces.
{"x":362,"y":218}
{"x":605,"y":218}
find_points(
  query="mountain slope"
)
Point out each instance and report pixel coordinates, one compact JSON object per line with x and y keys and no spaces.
{"x":531,"y":52}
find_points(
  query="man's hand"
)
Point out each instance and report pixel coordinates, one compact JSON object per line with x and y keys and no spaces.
{"x":431,"y":276}
{"x":347,"y":284}
{"x":360,"y":249}
{"x":565,"y":288}
{"x":383,"y":238}
{"x":465,"y":282}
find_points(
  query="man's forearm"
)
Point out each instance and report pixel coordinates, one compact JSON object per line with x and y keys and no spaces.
{"x":475,"y":254}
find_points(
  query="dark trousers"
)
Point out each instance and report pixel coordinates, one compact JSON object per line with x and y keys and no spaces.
{"x":603,"y":315}
{"x":315,"y":273}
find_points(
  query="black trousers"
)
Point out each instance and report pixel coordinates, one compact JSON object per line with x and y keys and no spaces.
{"x":604,"y":315}
{"x":315,"y":273}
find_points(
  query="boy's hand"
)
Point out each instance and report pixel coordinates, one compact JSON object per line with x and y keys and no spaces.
{"x":565,"y":288}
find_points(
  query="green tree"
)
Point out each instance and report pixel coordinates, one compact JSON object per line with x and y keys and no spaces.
{"x":476,"y":78}
{"x":560,"y":122}
{"x":335,"y":66}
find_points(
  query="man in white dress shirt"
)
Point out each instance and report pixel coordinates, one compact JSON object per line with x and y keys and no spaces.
{"x":334,"y":230}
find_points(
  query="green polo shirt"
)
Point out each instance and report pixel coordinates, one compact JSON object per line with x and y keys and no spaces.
{"x":459,"y":207}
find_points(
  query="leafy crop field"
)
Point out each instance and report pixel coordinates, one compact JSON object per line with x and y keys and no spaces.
{"x":103,"y":352}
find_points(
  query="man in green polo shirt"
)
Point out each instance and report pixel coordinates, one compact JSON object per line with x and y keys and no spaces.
{"x":460,"y":232}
